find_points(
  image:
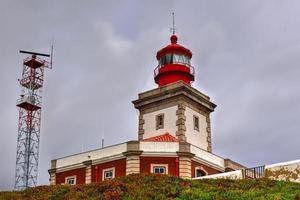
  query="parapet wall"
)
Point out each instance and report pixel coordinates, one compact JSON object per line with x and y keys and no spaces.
{"x":287,"y":171}
{"x":227,"y":175}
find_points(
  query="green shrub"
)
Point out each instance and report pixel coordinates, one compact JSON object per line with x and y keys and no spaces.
{"x":141,"y":186}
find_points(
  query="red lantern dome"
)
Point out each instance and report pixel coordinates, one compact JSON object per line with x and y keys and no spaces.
{"x":174,"y":64}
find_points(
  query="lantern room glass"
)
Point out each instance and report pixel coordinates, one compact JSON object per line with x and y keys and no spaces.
{"x":174,"y":59}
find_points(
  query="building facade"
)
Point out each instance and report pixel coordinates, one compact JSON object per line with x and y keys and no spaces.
{"x":174,"y":132}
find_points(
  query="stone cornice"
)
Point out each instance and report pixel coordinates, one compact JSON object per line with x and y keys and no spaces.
{"x":185,"y":154}
{"x":50,"y":171}
{"x":87,"y":162}
{"x":172,"y":90}
{"x":132,"y":153}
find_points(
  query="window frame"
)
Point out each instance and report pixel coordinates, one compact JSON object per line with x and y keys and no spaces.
{"x":196,"y":119}
{"x":68,"y":178}
{"x":201,"y":169}
{"x":157,"y":120}
{"x":104,"y":171}
{"x":165,"y":166}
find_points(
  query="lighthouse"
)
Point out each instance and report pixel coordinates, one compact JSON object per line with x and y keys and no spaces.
{"x":175,"y":108}
{"x":174,"y":131}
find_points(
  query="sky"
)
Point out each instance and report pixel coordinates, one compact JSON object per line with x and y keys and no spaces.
{"x":245,"y":53}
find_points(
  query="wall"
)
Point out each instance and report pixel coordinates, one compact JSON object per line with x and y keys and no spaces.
{"x":287,"y":171}
{"x":120,"y":169}
{"x":91,"y":155}
{"x":212,"y":159}
{"x":170,"y":118}
{"x":197,"y":138}
{"x":147,"y":161}
{"x":159,"y":147}
{"x":205,"y":168}
{"x":79,"y":173}
{"x":227,"y":175}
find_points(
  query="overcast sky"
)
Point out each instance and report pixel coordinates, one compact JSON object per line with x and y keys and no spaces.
{"x":246,"y":55}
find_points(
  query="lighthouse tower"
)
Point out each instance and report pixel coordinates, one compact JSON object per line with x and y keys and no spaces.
{"x":175,"y":108}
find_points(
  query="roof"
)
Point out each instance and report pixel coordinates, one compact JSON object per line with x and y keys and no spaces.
{"x":173,"y":48}
{"x":166,"y":137}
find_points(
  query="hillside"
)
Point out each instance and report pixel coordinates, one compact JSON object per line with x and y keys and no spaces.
{"x":163,"y":187}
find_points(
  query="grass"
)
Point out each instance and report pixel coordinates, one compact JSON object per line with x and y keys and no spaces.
{"x":135,"y":187}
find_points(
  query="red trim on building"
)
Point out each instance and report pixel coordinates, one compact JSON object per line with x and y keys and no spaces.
{"x":176,"y":167}
{"x":119,"y":165}
{"x":145,"y":164}
{"x":79,"y":173}
{"x":167,"y":137}
{"x":208,"y":170}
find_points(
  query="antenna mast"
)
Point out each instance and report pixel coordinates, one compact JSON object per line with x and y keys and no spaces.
{"x":51,"y":54}
{"x":29,"y":124}
{"x":173,"y":29}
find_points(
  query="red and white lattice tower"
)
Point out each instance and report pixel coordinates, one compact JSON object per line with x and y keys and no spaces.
{"x":29,"y":124}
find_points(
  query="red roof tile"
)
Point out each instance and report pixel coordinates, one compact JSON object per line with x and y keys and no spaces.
{"x":167,"y":137}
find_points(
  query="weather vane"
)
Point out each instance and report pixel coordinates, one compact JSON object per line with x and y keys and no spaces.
{"x":173,"y":29}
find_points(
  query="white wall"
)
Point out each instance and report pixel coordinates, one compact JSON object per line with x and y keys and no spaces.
{"x":287,"y":171}
{"x":197,"y":138}
{"x":91,"y":155}
{"x":159,"y":147}
{"x":170,"y":118}
{"x":227,"y":175}
{"x":211,"y":158}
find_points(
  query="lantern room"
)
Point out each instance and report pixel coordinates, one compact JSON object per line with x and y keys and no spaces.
{"x":174,"y":64}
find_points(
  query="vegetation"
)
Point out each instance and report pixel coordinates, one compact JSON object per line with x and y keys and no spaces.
{"x":163,"y":187}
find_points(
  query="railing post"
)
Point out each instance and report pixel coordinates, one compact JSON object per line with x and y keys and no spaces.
{"x":243,"y":173}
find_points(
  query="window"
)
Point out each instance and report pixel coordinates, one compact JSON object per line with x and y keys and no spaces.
{"x":159,"y":168}
{"x":108,"y":173}
{"x":174,"y":58}
{"x":71,"y":180}
{"x":159,"y":121}
{"x":200,"y":172}
{"x":169,"y":59}
{"x":196,"y":123}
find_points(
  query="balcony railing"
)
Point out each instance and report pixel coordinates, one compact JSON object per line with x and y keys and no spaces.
{"x":31,"y":82}
{"x":37,"y":60}
{"x":254,"y":173}
{"x":191,"y":68}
